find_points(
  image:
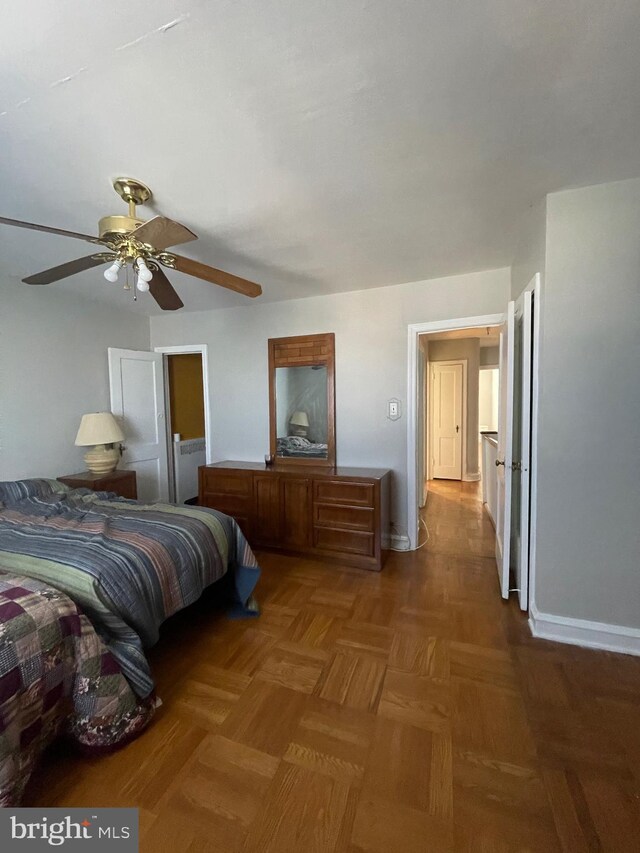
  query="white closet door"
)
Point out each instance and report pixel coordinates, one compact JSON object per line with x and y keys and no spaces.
{"x":447,"y":384}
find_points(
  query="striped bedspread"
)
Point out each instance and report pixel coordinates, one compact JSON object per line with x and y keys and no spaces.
{"x":128,"y":565}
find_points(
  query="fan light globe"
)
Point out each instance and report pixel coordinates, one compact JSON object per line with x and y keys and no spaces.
{"x":143,"y":271}
{"x":112,"y":273}
{"x":142,"y":285}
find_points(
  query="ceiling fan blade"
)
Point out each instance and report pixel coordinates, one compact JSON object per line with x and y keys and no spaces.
{"x":162,"y":291}
{"x":224,"y":279}
{"x":19,"y":224}
{"x":65,"y":270}
{"x":161,"y":232}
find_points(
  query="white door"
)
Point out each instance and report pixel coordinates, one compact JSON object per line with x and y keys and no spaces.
{"x":136,"y":381}
{"x":421,"y":427}
{"x":522,"y":444}
{"x":446,"y":441}
{"x":505,"y":450}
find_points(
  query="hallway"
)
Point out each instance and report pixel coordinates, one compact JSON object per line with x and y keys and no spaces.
{"x":403,"y":712}
{"x":457,"y":523}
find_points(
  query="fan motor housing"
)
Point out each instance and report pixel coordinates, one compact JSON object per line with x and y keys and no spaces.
{"x":118,"y":225}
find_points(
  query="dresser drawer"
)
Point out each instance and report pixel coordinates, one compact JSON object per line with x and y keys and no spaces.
{"x":228,"y":504}
{"x":221,"y":482}
{"x":344,"y":541}
{"x":344,"y":492}
{"x":344,"y":517}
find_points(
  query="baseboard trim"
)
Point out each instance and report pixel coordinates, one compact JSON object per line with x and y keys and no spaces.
{"x":472,"y":478}
{"x":490,"y":514}
{"x":582,"y":632}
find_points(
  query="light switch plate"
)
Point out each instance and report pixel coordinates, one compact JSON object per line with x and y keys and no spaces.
{"x":393,"y":409}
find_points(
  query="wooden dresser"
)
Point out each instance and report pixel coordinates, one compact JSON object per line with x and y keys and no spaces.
{"x":330,"y":513}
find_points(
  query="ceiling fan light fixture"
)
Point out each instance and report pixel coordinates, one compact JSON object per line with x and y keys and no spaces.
{"x":112,"y":273}
{"x":143,"y":270}
{"x":141,"y":245}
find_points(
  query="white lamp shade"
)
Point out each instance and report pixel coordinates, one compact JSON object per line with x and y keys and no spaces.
{"x":98,"y":428}
{"x":299,"y":419}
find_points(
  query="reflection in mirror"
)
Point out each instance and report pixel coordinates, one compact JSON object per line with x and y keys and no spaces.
{"x":301,"y":412}
{"x":302,"y":400}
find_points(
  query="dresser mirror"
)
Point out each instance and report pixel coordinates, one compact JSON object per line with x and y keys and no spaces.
{"x":302,"y":399}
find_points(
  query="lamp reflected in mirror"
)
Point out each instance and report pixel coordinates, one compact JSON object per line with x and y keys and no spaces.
{"x":302,"y":399}
{"x":299,"y":424}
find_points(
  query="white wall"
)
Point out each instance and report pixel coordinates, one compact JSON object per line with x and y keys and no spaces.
{"x":53,"y":369}
{"x":530,"y":253}
{"x":489,"y":356}
{"x":588,"y":532}
{"x":488,"y":389}
{"x":371,"y":362}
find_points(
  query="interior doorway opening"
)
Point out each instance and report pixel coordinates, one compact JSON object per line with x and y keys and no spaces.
{"x":418,"y":414}
{"x":141,"y":400}
{"x":460,"y":370}
{"x":187,"y":417}
{"x":458,"y":429}
{"x":515,"y":459}
{"x":186,"y":424}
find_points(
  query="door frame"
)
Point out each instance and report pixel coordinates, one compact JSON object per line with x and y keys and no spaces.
{"x":414,"y":330}
{"x":191,"y":349}
{"x":463,"y":426}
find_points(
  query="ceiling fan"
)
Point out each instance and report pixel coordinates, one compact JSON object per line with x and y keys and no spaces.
{"x":140,"y":244}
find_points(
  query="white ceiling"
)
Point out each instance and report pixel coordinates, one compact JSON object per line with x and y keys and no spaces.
{"x":315,"y":146}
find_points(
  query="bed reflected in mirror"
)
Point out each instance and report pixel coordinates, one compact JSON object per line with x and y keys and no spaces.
{"x":302,"y":407}
{"x":301,"y":412}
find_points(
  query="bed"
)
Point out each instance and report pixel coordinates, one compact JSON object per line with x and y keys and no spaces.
{"x":124,"y":565}
{"x":56,"y":676}
{"x":129,"y":565}
{"x":296,"y":445}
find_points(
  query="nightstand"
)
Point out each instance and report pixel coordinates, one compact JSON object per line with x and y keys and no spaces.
{"x":123,"y":483}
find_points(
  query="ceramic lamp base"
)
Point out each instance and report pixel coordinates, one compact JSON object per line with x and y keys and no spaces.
{"x":101,"y":459}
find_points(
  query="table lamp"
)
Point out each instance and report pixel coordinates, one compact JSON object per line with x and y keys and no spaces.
{"x":299,"y":423}
{"x":99,"y":429}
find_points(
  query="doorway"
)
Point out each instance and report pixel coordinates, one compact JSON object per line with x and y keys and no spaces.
{"x":141,"y":399}
{"x":453,"y":415}
{"x":187,"y":417}
{"x":185,"y":422}
{"x":515,"y":457}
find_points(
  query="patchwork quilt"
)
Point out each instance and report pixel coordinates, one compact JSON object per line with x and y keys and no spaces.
{"x":56,"y":675}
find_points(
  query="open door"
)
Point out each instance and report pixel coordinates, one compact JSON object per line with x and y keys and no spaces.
{"x":521,"y":466}
{"x":136,"y":383}
{"x":422,"y":430}
{"x":505,"y":449}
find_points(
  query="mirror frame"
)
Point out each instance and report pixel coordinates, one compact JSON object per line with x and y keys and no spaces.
{"x":304,"y":351}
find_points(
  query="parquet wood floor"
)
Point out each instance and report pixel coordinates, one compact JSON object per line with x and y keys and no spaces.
{"x":407,"y":711}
